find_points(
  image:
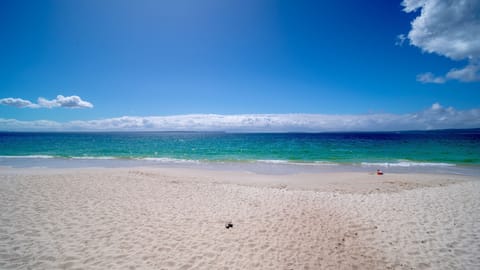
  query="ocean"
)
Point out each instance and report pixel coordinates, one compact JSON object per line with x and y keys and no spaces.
{"x":446,"y":150}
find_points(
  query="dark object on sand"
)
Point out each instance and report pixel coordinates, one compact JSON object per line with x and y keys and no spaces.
{"x":228,"y":225}
{"x":379,"y":172}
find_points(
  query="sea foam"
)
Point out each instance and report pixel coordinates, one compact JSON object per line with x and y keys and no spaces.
{"x":29,"y":156}
{"x":406,"y":164}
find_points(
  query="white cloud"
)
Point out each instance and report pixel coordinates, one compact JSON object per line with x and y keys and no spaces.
{"x":435,"y":117}
{"x":450,"y":28}
{"x":65,"y":102}
{"x":429,"y":78}
{"x":18,"y":102}
{"x":74,"y":102}
{"x":400,"y":40}
{"x":470,"y":73}
{"x":436,"y":106}
{"x":40,"y":125}
{"x":447,"y":27}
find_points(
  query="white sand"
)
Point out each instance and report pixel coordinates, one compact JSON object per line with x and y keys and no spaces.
{"x":139,"y":218}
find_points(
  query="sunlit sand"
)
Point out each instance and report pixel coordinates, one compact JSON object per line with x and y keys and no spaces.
{"x":145,"y":218}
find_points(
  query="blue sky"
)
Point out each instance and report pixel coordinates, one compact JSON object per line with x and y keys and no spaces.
{"x":160,"y":58}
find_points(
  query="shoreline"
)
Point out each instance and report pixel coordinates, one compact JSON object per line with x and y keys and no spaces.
{"x":277,"y":167}
{"x":361,"y":182}
{"x":174,"y":218}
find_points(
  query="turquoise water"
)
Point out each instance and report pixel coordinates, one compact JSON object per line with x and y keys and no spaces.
{"x":442,"y":148}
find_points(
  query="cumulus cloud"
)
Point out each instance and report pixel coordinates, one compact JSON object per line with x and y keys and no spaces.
{"x":470,"y":73}
{"x":74,"y":102}
{"x":434,"y":117}
{"x":65,"y":102}
{"x":449,"y":28}
{"x":18,"y":102}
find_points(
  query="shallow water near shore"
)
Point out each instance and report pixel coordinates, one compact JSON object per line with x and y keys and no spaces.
{"x":274,"y":168}
{"x":453,"y":151}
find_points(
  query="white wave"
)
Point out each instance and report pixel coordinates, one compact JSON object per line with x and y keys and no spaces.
{"x":272,"y":161}
{"x":29,"y":156}
{"x":307,"y":163}
{"x":325,"y":163}
{"x":170,"y":160}
{"x":94,"y":158}
{"x":406,"y":164}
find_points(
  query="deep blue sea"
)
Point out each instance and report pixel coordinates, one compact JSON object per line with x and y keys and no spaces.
{"x":451,"y":150}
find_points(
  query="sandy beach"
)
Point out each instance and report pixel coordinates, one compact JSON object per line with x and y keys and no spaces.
{"x":173,"y":218}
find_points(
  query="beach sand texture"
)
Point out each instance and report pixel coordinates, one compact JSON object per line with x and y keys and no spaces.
{"x":139,"y":218}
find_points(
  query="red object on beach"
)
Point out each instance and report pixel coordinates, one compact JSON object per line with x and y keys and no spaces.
{"x":379,"y":172}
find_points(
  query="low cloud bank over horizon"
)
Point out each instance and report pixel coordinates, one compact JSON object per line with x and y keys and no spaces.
{"x":72,"y":102}
{"x":434,"y":117}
